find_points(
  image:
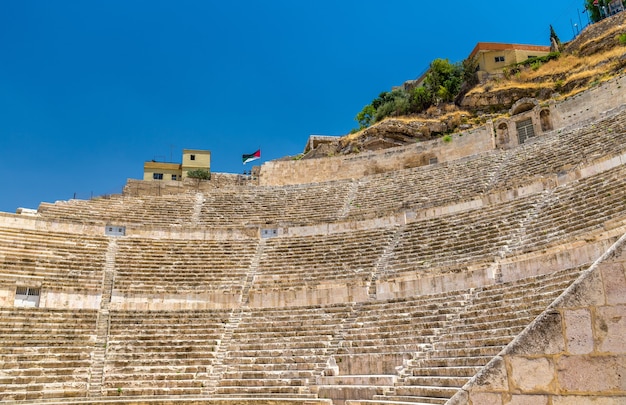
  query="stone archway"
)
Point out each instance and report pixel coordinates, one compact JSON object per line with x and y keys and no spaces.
{"x":545,"y":120}
{"x":502,"y":135}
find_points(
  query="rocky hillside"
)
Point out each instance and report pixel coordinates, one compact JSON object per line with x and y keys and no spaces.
{"x":596,"y":55}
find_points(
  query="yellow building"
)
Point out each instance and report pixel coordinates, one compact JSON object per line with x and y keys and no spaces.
{"x":193,"y":159}
{"x":492,"y":57}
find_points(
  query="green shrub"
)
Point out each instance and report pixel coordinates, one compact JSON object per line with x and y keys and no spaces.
{"x":447,"y":138}
{"x":622,"y":39}
{"x":201,"y":174}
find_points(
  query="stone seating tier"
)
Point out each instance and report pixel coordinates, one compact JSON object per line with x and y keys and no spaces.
{"x":41,"y":356}
{"x":310,"y":260}
{"x":179,"y":266}
{"x":292,"y":205}
{"x":579,"y":208}
{"x":68,"y":262}
{"x":161,"y":352}
{"x":163,"y":210}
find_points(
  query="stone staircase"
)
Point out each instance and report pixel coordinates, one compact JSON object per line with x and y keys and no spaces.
{"x":383,"y":261}
{"x":222,"y":350}
{"x":96,"y":375}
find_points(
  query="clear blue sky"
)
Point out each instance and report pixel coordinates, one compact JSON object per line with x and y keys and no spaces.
{"x":89,"y":90}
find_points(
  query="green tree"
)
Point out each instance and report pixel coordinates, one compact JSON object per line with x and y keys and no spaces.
{"x":200,"y":174}
{"x":554,"y":36}
{"x":469,"y":68}
{"x":365,"y":117}
{"x":392,"y":103}
{"x":443,"y":80}
{"x":421,"y":99}
{"x":597,"y":11}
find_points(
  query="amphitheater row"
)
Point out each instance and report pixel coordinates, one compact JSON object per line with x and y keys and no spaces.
{"x":548,"y":161}
{"x":417,"y":349}
{"x":320,"y":266}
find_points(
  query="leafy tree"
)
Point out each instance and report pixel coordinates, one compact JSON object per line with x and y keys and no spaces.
{"x":392,"y":104}
{"x":443,"y":80}
{"x":365,"y":117}
{"x":469,"y":68}
{"x":597,"y":12}
{"x":421,"y":99}
{"x":200,"y":174}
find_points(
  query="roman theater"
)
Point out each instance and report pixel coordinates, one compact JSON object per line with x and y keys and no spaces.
{"x":489,"y":268}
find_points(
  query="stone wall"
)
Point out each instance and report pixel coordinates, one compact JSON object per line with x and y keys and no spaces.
{"x":278,"y":173}
{"x":574,"y":353}
{"x":591,"y":104}
{"x":136,"y":188}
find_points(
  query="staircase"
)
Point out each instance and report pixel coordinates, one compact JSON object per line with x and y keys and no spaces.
{"x":234,"y":321}
{"x":102,"y":324}
{"x":383,"y":261}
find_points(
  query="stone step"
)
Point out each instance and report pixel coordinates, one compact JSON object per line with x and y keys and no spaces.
{"x":263,"y":382}
{"x":283,"y":374}
{"x":435,"y":381}
{"x":460,"y":371}
{"x":476,"y":361}
{"x":466,"y":352}
{"x":481,"y":342}
{"x":402,"y":400}
{"x":425,"y":391}
{"x":260,"y":390}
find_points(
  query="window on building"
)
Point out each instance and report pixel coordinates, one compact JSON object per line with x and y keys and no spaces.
{"x":499,"y":58}
{"x":157,"y":176}
{"x":192,"y":157}
{"x":174,"y":177}
{"x":525,"y":130}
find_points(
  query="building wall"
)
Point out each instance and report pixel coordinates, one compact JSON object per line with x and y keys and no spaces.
{"x":487,"y":62}
{"x":201,"y":160}
{"x":167,"y":169}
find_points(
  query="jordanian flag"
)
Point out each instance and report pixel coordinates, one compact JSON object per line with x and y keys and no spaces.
{"x":249,"y":158}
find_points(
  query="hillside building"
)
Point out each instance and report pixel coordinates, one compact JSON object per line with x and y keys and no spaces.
{"x":193,"y":159}
{"x":492,"y":57}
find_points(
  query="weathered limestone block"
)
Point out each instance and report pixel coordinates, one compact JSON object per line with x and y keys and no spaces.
{"x":588,"y":291}
{"x":610,"y":328}
{"x":484,"y":398}
{"x":545,"y":336}
{"x":493,"y":378}
{"x":527,"y":400}
{"x":582,"y":400}
{"x":580,"y":374}
{"x":531,"y":375}
{"x":578,"y":331}
{"x":614,"y":283}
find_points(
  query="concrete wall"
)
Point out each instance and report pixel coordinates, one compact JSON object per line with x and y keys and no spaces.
{"x":574,"y":353}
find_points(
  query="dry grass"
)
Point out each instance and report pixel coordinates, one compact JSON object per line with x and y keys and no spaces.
{"x":613,"y":31}
{"x":567,"y":68}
